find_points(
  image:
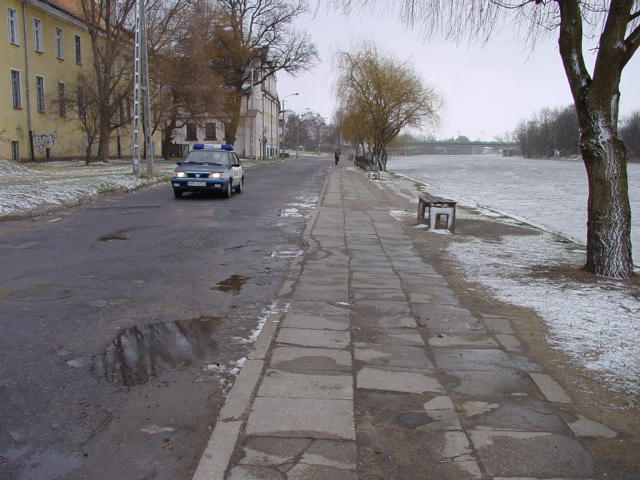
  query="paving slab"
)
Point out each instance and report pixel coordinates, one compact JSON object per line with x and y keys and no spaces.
{"x":304,"y":359}
{"x":371,"y":378}
{"x":492,"y":386}
{"x":388,"y":336}
{"x":461,"y":340}
{"x":302,"y":417}
{"x":518,"y":413}
{"x":471,"y":359}
{"x":533,"y":454}
{"x":316,"y":322}
{"x":391,"y":355}
{"x":314,"y":338}
{"x":550,"y":388}
{"x":279,"y":383}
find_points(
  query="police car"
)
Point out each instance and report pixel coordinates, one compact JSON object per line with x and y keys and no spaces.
{"x":209,"y":168}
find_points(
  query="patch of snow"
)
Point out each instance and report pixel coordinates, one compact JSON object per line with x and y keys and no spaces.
{"x":595,"y":324}
{"x":26,"y":187}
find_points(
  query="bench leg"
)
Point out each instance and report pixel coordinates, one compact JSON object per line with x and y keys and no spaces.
{"x":421,"y":208}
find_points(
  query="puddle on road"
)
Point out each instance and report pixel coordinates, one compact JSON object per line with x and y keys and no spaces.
{"x":232,"y":284}
{"x":139,"y":354}
{"x":39,"y":293}
{"x":113,"y":236}
{"x":412,"y":420}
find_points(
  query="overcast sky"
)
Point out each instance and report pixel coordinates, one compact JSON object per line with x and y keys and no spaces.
{"x":487,"y":89}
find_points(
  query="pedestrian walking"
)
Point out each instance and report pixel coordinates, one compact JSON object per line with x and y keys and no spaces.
{"x":336,"y":155}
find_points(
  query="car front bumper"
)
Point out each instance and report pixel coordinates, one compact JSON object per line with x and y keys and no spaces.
{"x":198,"y":184}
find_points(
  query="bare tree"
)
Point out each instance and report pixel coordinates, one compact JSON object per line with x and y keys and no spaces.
{"x":108,"y":23}
{"x":185,"y":87}
{"x":385,"y":94}
{"x":596,"y":93}
{"x":254,"y":40}
{"x":630,"y":133}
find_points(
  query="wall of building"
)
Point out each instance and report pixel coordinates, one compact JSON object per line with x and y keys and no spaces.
{"x":258,"y":132}
{"x":56,"y":133}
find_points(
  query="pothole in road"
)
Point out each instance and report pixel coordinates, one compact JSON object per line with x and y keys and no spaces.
{"x":113,"y":236}
{"x":139,"y":354}
{"x":39,"y":293}
{"x":232,"y":284}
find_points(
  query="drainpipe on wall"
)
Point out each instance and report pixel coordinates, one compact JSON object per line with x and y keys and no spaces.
{"x":27,"y":78}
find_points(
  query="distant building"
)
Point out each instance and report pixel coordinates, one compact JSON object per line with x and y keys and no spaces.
{"x":210,"y":131}
{"x":258,"y":134}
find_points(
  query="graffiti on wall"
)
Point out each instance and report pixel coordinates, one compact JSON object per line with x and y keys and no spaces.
{"x":47,"y":140}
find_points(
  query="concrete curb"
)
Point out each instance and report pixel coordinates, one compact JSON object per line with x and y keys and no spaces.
{"x":234,"y":413}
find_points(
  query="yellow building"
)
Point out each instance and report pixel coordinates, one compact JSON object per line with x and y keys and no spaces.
{"x":44,"y":46}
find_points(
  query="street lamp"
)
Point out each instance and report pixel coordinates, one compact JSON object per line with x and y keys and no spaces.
{"x":284,"y":123}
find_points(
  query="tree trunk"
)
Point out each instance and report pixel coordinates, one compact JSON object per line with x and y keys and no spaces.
{"x":609,"y":212}
{"x":596,"y":100}
{"x":231,"y":127}
{"x":105,"y":134}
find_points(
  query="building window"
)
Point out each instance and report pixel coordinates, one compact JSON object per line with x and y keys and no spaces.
{"x":210,"y":131}
{"x":15,"y":151}
{"x":78,"y":50}
{"x":59,"y":44}
{"x":80,"y":100}
{"x":12,"y":20}
{"x":15,"y":89}
{"x":62,"y":107}
{"x":40,"y":93}
{"x":192,"y":132}
{"x":37,"y":35}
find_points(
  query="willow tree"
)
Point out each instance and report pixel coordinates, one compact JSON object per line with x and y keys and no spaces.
{"x":615,"y":26}
{"x":384,"y":95}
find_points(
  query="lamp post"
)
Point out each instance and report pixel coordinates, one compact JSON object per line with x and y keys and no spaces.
{"x":284,"y":123}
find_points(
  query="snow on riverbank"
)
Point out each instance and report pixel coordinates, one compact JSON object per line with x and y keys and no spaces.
{"x":596,"y":324}
{"x":26,"y":187}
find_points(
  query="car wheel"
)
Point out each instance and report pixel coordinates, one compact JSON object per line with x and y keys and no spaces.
{"x":227,"y":191}
{"x":240,"y":186}
{"x":177,"y":193}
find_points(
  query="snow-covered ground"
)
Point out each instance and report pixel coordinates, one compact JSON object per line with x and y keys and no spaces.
{"x":597,"y":324}
{"x":551,"y":194}
{"x":25,"y":187}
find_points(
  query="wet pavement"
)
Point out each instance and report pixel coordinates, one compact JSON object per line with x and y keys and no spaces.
{"x":377,"y":370}
{"x":125,"y":320}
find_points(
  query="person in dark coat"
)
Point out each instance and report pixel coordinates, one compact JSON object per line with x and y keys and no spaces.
{"x":336,"y":155}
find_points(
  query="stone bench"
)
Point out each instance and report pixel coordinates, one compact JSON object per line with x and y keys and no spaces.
{"x":441,"y":212}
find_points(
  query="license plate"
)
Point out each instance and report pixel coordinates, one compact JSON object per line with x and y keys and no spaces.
{"x":196,"y":184}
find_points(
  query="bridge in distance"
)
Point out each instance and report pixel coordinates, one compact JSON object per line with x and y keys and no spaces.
{"x":506,"y":149}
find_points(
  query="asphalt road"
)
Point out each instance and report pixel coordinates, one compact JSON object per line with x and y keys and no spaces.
{"x":122,"y":322}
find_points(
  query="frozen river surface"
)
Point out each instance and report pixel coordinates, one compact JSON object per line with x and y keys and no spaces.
{"x":548,"y":193}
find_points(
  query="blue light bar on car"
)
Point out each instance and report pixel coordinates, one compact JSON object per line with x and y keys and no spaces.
{"x":211,"y":146}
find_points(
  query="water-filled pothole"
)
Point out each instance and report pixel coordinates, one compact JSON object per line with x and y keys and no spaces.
{"x":412,"y":420}
{"x":39,"y":293}
{"x":139,"y":354}
{"x":232,"y":284}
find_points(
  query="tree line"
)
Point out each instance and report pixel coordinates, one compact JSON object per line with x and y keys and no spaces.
{"x":556,"y":133}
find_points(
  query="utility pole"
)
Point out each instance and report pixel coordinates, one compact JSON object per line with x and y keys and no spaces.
{"x":141,"y":106}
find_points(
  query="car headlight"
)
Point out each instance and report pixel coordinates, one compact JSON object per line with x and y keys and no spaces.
{"x":215,"y":175}
{"x":179,"y":174}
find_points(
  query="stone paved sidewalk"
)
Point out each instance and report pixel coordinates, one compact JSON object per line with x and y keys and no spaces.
{"x":375,"y":370}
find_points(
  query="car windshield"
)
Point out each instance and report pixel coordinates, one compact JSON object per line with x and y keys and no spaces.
{"x":210,"y":157}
